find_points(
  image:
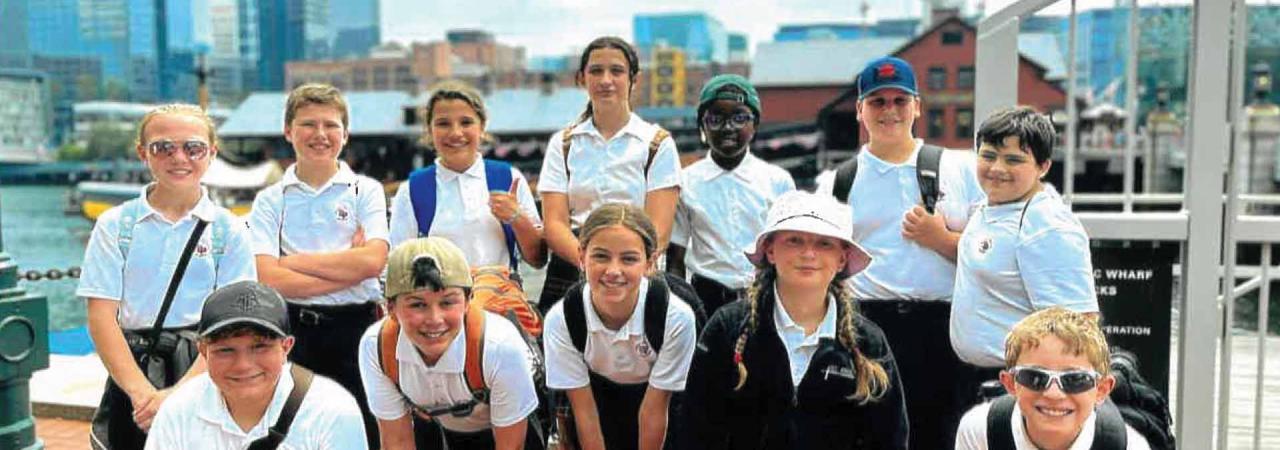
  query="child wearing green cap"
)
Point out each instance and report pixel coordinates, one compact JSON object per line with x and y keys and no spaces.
{"x":726,"y":195}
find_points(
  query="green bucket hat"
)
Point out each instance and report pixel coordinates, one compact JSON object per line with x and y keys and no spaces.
{"x":454,"y":270}
{"x":711,"y":92}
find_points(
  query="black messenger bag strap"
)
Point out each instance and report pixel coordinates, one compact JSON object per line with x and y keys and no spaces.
{"x":276,"y":434}
{"x":178,"y":272}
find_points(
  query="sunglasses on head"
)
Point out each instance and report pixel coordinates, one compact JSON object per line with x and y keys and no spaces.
{"x":195,"y":149}
{"x":1069,"y":381}
{"x":735,"y":121}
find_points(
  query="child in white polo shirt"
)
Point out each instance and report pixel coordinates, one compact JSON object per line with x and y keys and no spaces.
{"x":418,"y":386}
{"x":725,"y":196}
{"x":141,"y":315}
{"x":320,"y":239}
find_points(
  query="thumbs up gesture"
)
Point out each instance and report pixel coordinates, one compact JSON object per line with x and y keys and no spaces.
{"x":503,"y":205}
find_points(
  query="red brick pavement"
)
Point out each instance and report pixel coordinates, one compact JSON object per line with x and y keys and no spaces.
{"x":62,"y":434}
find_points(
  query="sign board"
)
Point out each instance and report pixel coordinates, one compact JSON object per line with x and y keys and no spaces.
{"x":1135,"y":294}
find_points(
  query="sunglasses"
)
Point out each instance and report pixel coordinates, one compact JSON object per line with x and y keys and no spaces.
{"x":1069,"y":381}
{"x":463,"y":409}
{"x":195,"y":149}
{"x":736,"y":121}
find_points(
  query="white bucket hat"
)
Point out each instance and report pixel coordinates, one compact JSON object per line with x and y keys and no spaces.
{"x":816,"y":214}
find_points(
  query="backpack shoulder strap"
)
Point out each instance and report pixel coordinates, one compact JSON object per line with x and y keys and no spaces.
{"x":473,"y":363}
{"x":565,"y":143}
{"x":218,"y":237}
{"x":575,"y":317}
{"x":497,"y":175}
{"x":927,"y":162}
{"x":130,"y":212}
{"x":388,"y":340}
{"x":654,"y":144}
{"x":275,"y":435}
{"x":1110,"y":431}
{"x":845,"y":173}
{"x":999,"y":431}
{"x":422,"y":193}
{"x":656,"y":302}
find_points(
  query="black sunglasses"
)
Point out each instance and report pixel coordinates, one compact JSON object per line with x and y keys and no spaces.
{"x":1069,"y":381}
{"x":195,"y":149}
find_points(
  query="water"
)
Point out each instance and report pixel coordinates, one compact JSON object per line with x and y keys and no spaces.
{"x":39,"y":236}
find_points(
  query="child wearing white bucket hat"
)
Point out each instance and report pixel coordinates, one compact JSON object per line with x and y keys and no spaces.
{"x":795,"y":365}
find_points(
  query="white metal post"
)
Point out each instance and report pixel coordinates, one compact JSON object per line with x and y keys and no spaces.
{"x":1200,"y":320}
{"x":1131,"y":107}
{"x":1069,"y":159}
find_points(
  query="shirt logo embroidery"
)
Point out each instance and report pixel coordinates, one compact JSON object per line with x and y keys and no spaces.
{"x":643,"y":349}
{"x":985,"y":245}
{"x":344,"y":214}
{"x":201,"y":250}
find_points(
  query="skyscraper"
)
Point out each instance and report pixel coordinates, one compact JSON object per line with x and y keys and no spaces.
{"x":289,"y":30}
{"x":355,"y":27}
{"x":701,"y":37}
{"x":13,"y":33}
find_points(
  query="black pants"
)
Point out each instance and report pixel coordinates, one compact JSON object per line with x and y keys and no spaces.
{"x":713,"y":294}
{"x":327,"y":341}
{"x":561,"y":274}
{"x":932,"y":375}
{"x":429,"y":435}
{"x":172,"y":355}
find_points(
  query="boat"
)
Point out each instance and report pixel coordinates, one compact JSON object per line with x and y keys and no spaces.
{"x":230,"y":186}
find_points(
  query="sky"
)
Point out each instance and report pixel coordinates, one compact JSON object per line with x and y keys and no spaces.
{"x":558,"y":27}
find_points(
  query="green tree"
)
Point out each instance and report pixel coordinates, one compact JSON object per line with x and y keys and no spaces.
{"x":72,"y":152}
{"x":107,"y":141}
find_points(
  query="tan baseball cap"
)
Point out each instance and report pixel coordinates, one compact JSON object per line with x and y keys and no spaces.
{"x":448,"y":258}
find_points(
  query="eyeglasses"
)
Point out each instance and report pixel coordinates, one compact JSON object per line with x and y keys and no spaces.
{"x":736,"y":121}
{"x":1069,"y":381}
{"x":195,"y":149}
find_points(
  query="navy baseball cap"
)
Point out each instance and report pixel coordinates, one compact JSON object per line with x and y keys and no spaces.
{"x":886,"y":72}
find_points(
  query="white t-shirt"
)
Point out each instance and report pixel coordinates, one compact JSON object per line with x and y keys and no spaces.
{"x":881,"y":195}
{"x":320,"y":220}
{"x":623,"y":356}
{"x":720,"y":212}
{"x":972,"y":433}
{"x":609,"y":171}
{"x":462,"y":214}
{"x":1012,"y":265}
{"x":196,"y":417}
{"x":507,"y":369}
{"x":801,"y":347}
{"x":140,"y":280}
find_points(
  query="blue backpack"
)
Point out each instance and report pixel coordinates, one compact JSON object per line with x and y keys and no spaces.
{"x":422,"y":192}
{"x":133,"y":209}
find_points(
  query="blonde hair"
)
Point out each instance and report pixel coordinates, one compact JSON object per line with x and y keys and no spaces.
{"x":1078,"y":331}
{"x":872,"y":380}
{"x":453,"y":90}
{"x":316,"y":94}
{"x":624,"y":215}
{"x":176,"y":109}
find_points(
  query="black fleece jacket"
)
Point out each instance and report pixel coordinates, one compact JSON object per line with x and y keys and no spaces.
{"x":768,"y":413}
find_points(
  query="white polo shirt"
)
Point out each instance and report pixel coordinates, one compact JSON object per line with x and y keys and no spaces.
{"x":720,"y":212}
{"x":1012,"y":265}
{"x":139,"y":281}
{"x":507,"y":371}
{"x":291,"y":218}
{"x":623,"y":356}
{"x":801,"y":347}
{"x":196,"y":417}
{"x":462,"y":214}
{"x":881,"y":195}
{"x":609,"y":171}
{"x":972,"y":433}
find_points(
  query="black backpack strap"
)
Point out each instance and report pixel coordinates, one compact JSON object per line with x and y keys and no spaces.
{"x":301,"y":384}
{"x":575,"y":317}
{"x":927,"y":162}
{"x":174,"y":282}
{"x":999,"y":430}
{"x":845,"y":173}
{"x":1110,"y":431}
{"x":655,"y":312}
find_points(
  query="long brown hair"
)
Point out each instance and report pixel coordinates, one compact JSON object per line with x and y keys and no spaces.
{"x":607,"y":42}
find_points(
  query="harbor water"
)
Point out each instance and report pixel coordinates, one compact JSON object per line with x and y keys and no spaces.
{"x":38,"y":235}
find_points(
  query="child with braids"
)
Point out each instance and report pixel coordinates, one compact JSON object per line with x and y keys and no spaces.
{"x":795,"y":366}
{"x":619,"y":344}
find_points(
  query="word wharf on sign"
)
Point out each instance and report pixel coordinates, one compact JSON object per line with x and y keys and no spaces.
{"x":1123,"y":274}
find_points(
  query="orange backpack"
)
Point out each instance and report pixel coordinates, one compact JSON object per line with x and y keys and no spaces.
{"x":494,"y":291}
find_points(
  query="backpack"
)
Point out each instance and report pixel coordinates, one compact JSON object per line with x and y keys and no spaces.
{"x":493,"y":291}
{"x":565,"y":143}
{"x":1132,"y":402}
{"x":133,"y":209}
{"x":422,"y":193}
{"x":1109,"y":434}
{"x":927,"y":162}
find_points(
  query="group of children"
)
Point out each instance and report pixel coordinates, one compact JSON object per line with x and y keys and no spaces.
{"x":798,"y":352}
